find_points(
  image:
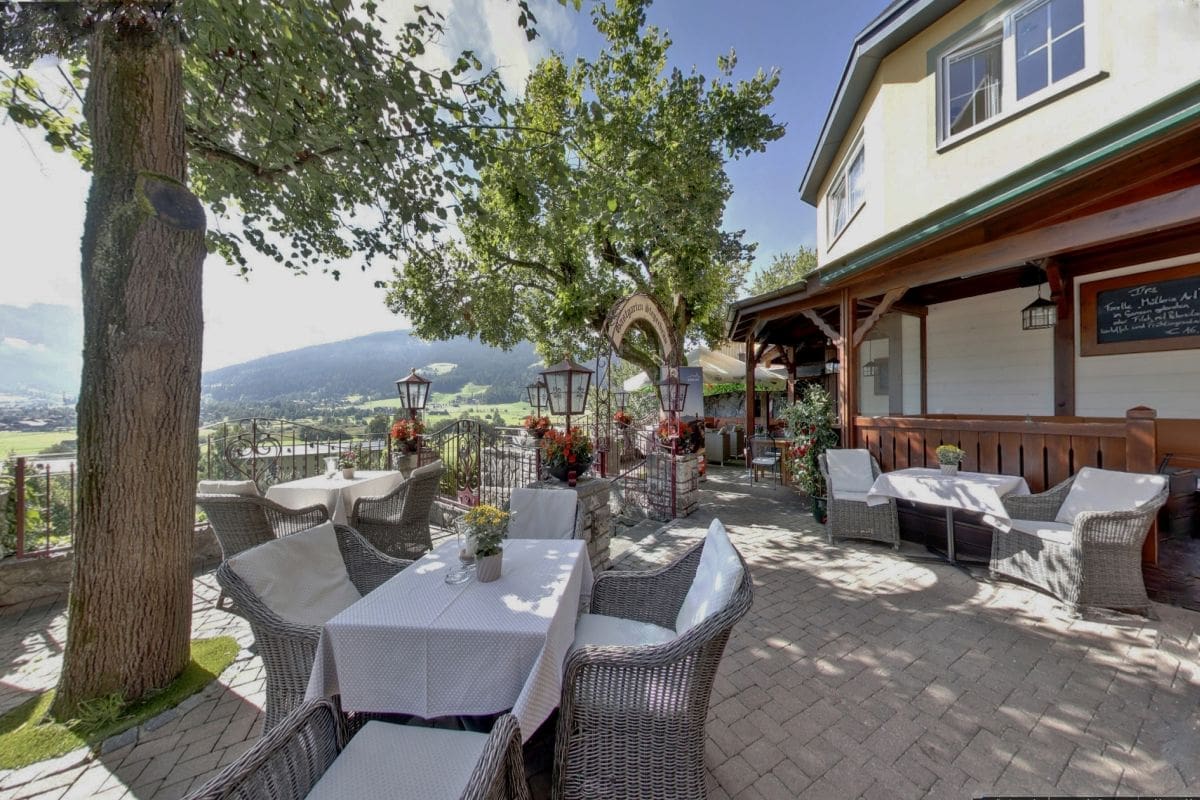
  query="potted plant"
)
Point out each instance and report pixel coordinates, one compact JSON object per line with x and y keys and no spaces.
{"x":568,"y":454}
{"x":486,"y":527}
{"x":810,"y":425}
{"x":623,"y":419}
{"x":346,"y":461}
{"x":949,"y":457}
{"x":407,"y":434}
{"x":536,"y":426}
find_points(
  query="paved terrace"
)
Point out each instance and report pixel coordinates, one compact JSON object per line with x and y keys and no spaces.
{"x":856,"y":674}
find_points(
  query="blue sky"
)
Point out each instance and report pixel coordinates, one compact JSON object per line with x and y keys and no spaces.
{"x":42,"y":194}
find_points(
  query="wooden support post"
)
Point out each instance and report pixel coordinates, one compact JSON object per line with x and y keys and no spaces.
{"x":750,"y":364}
{"x":889,"y":299}
{"x":1140,"y":456}
{"x":790,"y":355}
{"x":1062,"y":291}
{"x":848,"y":370}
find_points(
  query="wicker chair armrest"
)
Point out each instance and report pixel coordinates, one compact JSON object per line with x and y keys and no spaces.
{"x":301,"y":747}
{"x":1041,"y":507}
{"x":285,"y":521}
{"x":653,"y":596}
{"x":500,"y":771}
{"x":1126,"y":527}
{"x":368,"y":568}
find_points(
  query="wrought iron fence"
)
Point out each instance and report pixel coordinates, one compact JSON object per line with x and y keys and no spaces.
{"x":38,"y":514}
{"x":483,"y":463}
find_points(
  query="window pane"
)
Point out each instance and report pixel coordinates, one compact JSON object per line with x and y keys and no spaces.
{"x":978,"y":75}
{"x":962,"y":77}
{"x":1065,"y":15}
{"x":855,"y":179}
{"x":1067,"y":54}
{"x":837,"y":207}
{"x":1032,"y":30}
{"x":1032,"y":73}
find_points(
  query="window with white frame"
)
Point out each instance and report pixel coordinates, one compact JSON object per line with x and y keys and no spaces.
{"x":1024,"y":56}
{"x":848,"y":192}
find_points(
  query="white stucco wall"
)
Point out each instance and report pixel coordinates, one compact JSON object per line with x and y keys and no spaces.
{"x":1169,"y":381}
{"x":981,"y":362}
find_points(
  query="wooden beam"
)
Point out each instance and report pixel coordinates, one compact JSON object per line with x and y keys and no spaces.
{"x":823,"y":326}
{"x":848,"y":369}
{"x":750,"y":364}
{"x":915,"y":309}
{"x":1062,"y":292}
{"x":790,"y":360}
{"x":890,"y":297}
{"x":924,"y":367}
{"x":1172,"y":210}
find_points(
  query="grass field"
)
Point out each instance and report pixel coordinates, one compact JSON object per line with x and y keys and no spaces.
{"x":24,"y":443}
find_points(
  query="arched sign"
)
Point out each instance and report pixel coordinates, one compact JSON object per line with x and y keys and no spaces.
{"x":642,"y":309}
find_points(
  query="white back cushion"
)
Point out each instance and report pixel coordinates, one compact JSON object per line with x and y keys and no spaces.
{"x":244,"y":488}
{"x":542,"y":514}
{"x":1108,"y":490}
{"x":598,"y":629}
{"x":717,"y":577}
{"x":300,"y":577}
{"x":849,"y":470}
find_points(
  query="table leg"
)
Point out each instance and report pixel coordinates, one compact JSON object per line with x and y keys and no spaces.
{"x":950,"y":535}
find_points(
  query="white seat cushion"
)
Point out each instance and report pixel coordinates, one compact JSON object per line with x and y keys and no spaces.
{"x":300,"y":577}
{"x":717,"y":578}
{"x":1108,"y":490}
{"x":1058,"y":532}
{"x":244,"y":488}
{"x":850,"y":470}
{"x":843,"y":494}
{"x":385,"y":760}
{"x":542,"y":514}
{"x":597,"y":629}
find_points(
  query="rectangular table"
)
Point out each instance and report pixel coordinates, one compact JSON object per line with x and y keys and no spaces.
{"x":970,"y":491}
{"x":335,"y":493}
{"x":417,"y":645}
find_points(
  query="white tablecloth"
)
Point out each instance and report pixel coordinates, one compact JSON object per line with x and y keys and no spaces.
{"x":337,"y":493}
{"x":417,"y":645}
{"x":971,"y":491}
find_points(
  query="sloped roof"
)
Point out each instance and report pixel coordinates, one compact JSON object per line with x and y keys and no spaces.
{"x":899,"y":22}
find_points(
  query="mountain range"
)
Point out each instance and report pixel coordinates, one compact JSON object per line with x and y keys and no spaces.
{"x":41,"y":351}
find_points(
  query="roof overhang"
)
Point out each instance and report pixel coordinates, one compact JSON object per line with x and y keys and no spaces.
{"x":899,"y":22}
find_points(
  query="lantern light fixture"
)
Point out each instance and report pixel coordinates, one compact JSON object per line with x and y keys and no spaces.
{"x":538,"y":395}
{"x":414,"y":392}
{"x":567,"y":385}
{"x":622,"y":398}
{"x":672,"y":393}
{"x":1039,"y":314}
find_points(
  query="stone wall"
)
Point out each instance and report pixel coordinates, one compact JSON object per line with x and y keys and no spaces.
{"x":45,"y":579}
{"x":687,"y":485}
{"x":593,"y":495}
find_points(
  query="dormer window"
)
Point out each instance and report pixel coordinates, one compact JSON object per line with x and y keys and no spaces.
{"x":848,"y":192}
{"x":1021,"y":58}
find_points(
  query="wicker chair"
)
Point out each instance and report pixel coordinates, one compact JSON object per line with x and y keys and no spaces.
{"x":632,"y":719}
{"x":849,"y":517}
{"x":288,"y":762}
{"x":240,"y":522}
{"x":1096,"y":560}
{"x":287,"y":648}
{"x":397,"y":523}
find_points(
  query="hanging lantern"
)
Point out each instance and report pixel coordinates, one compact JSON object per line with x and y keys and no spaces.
{"x":1039,"y":314}
{"x":622,"y":399}
{"x":870,"y":369}
{"x":567,"y":385}
{"x":671,"y":393}
{"x":414,"y":392}
{"x":833,"y":366}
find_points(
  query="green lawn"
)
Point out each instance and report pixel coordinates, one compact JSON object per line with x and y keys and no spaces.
{"x":25,"y":443}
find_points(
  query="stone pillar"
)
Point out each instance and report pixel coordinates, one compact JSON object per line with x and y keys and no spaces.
{"x":687,"y":484}
{"x":596,"y":530}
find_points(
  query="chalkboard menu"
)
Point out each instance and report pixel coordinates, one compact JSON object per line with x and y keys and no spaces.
{"x":1140,"y":313}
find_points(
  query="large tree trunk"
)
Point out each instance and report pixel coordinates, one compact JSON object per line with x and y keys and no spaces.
{"x":143,"y":251}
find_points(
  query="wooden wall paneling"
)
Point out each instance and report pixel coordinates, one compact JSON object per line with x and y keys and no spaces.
{"x":932,"y":440}
{"x":989,"y":459}
{"x":1058,"y":459}
{"x":1033,"y":461}
{"x":969,"y":441}
{"x":887,"y":450}
{"x":1112,"y":453}
{"x":1010,"y":454}
{"x":1085,"y":452}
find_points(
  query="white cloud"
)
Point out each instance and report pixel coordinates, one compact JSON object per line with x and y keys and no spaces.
{"x":20,"y":344}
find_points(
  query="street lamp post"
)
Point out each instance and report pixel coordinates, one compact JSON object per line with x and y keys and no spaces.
{"x":414,"y":393}
{"x":537,"y":393}
{"x":672,"y":394}
{"x":567,"y":385}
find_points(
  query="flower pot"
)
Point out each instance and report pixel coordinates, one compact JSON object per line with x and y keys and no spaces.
{"x":487,"y":569}
{"x":536,"y":433}
{"x":949,"y":469}
{"x":348,"y":472}
{"x":820,"y":509}
{"x":560,"y":470}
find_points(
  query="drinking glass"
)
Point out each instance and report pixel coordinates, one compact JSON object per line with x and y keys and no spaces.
{"x":466,"y":559}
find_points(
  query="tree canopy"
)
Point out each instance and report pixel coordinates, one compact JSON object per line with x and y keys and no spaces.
{"x":784,"y":270}
{"x":611,"y":180}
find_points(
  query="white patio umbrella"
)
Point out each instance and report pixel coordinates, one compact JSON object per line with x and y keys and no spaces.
{"x":718,"y":368}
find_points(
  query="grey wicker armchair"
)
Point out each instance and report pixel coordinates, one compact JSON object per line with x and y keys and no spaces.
{"x":1095,"y":560}
{"x":287,"y":648}
{"x":849,"y":517}
{"x":397,"y":523}
{"x":632,"y":718}
{"x":289,"y":762}
{"x":240,"y":521}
